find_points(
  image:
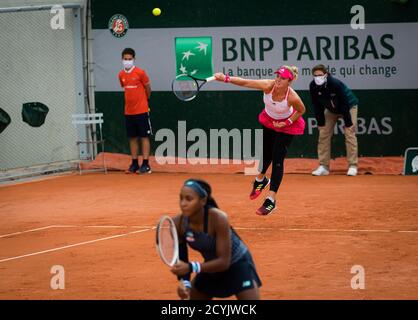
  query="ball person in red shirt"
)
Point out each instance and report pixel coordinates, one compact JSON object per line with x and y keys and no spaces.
{"x":137,"y":88}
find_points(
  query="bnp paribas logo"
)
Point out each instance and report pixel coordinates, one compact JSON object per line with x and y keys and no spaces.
{"x":118,"y":25}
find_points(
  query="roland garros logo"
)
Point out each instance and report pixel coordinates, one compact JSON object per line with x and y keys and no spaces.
{"x":118,"y":25}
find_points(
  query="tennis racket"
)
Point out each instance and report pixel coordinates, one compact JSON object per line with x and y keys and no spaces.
{"x":186,"y":87}
{"x":167,"y":241}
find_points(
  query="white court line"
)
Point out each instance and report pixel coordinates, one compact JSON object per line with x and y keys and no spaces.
{"x":71,"y":226}
{"x":126,"y":227}
{"x":26,"y":231}
{"x":151,"y":228}
{"x":134,"y":227}
{"x":335,"y":230}
{"x":326,"y":230}
{"x":237,"y":228}
{"x":73,"y":245}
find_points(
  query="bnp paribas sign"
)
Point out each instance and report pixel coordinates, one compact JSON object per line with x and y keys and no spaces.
{"x":380,"y":56}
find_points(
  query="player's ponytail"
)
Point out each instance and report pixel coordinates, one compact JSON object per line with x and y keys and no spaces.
{"x":294,"y":70}
{"x":211,"y":201}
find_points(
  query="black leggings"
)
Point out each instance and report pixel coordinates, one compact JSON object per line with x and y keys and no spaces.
{"x":275,"y":145}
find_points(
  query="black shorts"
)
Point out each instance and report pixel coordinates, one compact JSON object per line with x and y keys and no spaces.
{"x":239,"y":277}
{"x":138,"y":125}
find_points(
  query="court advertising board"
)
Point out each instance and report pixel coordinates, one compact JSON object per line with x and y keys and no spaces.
{"x":382,"y":56}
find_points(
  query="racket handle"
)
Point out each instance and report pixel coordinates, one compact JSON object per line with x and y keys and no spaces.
{"x":210,"y":79}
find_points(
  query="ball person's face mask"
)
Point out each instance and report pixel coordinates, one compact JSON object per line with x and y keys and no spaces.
{"x":128,"y":63}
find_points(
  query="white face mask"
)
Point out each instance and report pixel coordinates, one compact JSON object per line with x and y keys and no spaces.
{"x":320,"y":80}
{"x":128,"y":63}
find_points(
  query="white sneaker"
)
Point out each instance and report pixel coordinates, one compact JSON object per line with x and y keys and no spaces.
{"x":352,"y":171}
{"x":321,"y":171}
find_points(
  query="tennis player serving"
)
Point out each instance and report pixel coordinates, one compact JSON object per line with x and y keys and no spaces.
{"x":228,"y":268}
{"x":282,"y":120}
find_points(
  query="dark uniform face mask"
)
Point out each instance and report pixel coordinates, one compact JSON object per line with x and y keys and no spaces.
{"x":320,"y":80}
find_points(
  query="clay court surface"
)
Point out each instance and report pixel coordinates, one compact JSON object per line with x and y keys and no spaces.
{"x":100,"y":229}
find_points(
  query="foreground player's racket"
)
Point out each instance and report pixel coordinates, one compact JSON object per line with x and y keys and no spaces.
{"x":167,"y":241}
{"x":186,"y":87}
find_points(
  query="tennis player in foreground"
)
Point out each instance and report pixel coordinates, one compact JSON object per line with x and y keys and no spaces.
{"x":281,"y":119}
{"x":228,"y":268}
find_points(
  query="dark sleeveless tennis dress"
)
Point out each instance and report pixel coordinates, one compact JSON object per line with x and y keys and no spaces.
{"x":241,"y":272}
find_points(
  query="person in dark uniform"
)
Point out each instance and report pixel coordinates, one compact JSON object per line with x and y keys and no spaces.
{"x":228,"y":268}
{"x":331,"y":100}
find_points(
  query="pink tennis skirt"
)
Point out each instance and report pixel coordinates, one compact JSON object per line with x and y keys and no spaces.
{"x":296,"y":128}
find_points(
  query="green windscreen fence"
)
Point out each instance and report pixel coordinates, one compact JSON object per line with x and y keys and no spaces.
{"x":39,"y":87}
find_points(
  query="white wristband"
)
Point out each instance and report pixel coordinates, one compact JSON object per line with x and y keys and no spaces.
{"x":288,"y":121}
{"x":187,"y":283}
{"x":196,"y":268}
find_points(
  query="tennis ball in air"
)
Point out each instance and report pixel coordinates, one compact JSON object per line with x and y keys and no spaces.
{"x":156,"y":11}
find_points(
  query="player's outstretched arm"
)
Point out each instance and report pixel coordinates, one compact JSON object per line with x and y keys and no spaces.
{"x":262,"y":84}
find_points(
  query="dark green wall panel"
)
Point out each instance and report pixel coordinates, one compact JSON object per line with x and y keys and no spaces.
{"x":215,"y":13}
{"x":239,"y":109}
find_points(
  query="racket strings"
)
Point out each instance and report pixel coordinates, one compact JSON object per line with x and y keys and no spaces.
{"x":167,"y":243}
{"x":185,"y":88}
